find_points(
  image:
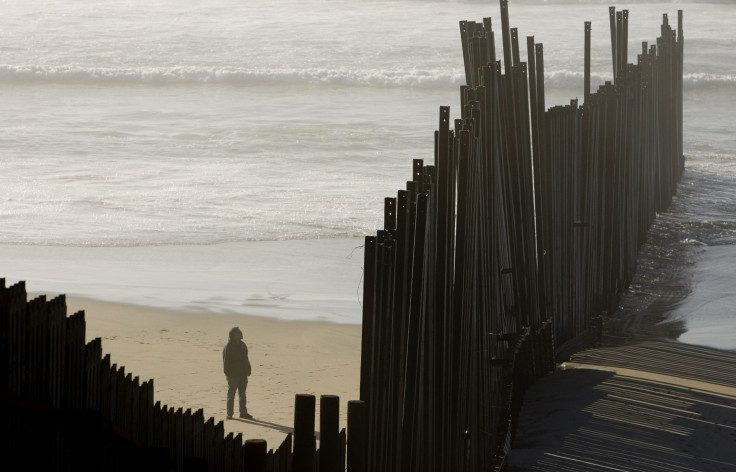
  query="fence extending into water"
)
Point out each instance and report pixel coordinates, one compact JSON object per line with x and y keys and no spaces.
{"x":498,"y":258}
{"x":65,"y":406}
{"x":508,"y":250}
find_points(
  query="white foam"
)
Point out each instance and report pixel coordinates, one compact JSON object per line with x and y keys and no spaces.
{"x":421,"y":77}
{"x":236,"y":76}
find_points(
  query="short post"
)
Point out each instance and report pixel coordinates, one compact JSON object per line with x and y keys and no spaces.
{"x":255,"y":453}
{"x":329,"y":433}
{"x":356,"y":436}
{"x":303,"y":433}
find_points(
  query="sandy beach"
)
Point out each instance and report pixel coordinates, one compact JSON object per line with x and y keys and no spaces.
{"x":182,"y":352}
{"x":164,"y":313}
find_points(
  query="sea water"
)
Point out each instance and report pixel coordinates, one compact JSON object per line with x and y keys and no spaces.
{"x":179,"y":154}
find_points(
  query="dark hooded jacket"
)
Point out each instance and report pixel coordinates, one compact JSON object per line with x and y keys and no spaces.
{"x":235,"y":359}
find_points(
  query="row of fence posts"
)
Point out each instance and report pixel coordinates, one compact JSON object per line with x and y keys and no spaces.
{"x":65,"y":406}
{"x":491,"y":262}
{"x":507,"y":251}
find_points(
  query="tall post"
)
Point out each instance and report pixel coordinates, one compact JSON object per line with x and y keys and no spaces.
{"x":680,"y":54}
{"x":539,"y":49}
{"x":507,"y":62}
{"x":366,"y":349}
{"x":614,"y":42}
{"x":586,"y":85}
{"x":389,"y":214}
{"x":619,"y":46}
{"x":624,"y":40}
{"x":515,"y":46}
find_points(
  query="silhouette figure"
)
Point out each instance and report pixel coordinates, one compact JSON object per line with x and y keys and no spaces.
{"x":237,"y":369}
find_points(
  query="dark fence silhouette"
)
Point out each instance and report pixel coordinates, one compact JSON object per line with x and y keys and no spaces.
{"x":506,"y":252}
{"x":494,"y":261}
{"x":65,"y":406}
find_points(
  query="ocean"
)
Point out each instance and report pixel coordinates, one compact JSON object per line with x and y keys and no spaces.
{"x":229,"y":156}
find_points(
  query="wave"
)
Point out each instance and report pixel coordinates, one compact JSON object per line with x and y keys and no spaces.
{"x":232,"y":76}
{"x":701,"y":80}
{"x":419,"y":78}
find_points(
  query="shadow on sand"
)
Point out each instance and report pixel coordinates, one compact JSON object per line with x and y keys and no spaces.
{"x":267,"y":424}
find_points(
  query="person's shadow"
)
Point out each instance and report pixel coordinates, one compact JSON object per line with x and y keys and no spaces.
{"x":266,"y":424}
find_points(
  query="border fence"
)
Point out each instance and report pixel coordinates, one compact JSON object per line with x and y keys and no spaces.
{"x":498,"y":259}
{"x":505,"y":253}
{"x":65,"y":406}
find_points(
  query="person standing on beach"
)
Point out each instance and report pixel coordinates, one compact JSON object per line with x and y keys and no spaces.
{"x":237,"y":369}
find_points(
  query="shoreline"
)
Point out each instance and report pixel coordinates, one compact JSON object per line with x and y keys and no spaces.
{"x":311,"y":279}
{"x":181,"y":352}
